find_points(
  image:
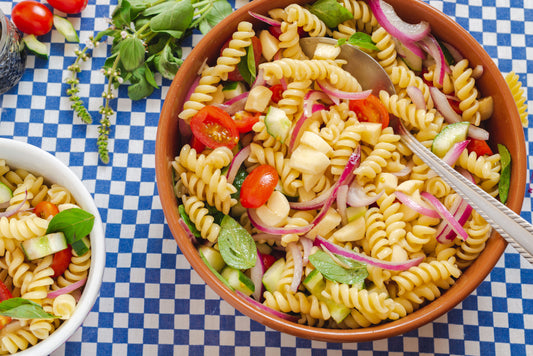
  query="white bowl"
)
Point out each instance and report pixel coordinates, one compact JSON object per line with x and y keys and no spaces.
{"x":39,"y":162}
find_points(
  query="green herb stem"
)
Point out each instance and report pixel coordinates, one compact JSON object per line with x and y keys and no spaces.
{"x":77,"y":104}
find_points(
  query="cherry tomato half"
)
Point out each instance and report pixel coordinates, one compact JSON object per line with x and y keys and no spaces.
{"x":258,"y":186}
{"x":480,"y":147}
{"x":61,"y":261}
{"x":196,"y":144}
{"x":370,"y":109}
{"x":268,"y":260}
{"x":45,"y":209}
{"x":32,"y":18}
{"x":277,"y":92}
{"x":245,"y":120}
{"x":5,"y":294}
{"x":214,"y":127}
{"x":69,"y":6}
{"x":256,"y":45}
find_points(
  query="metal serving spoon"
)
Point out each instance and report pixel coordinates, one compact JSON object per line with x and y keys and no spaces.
{"x":513,"y":228}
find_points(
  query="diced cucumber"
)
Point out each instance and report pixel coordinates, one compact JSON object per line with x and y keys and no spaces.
{"x":272,"y":275}
{"x":66,"y":29}
{"x":213,"y":257}
{"x":505,"y":174}
{"x":413,"y":61}
{"x":36,"y":46}
{"x":277,"y":123}
{"x":314,"y":282}
{"x":215,"y":272}
{"x":448,"y":137}
{"x":42,"y":246}
{"x":238,"y":280}
{"x":5,"y":193}
{"x":81,"y":246}
{"x":233,"y":89}
{"x":355,"y":212}
{"x":447,"y":55}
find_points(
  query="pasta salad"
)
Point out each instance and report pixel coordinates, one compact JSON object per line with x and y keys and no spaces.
{"x":45,"y":257}
{"x":294,"y":185}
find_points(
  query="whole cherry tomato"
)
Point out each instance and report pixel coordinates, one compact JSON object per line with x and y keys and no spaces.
{"x":61,"y":261}
{"x":69,"y":6}
{"x":32,"y":18}
{"x":45,"y":209}
{"x":258,"y":186}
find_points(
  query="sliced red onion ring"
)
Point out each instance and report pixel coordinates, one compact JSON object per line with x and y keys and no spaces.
{"x":443,"y":106}
{"x":477,"y":72}
{"x":307,"y":245}
{"x":188,"y":231}
{"x":407,"y":33}
{"x":407,"y":201}
{"x":453,"y":153}
{"x":259,"y":79}
{"x":296,"y":131}
{"x":235,"y":106}
{"x":256,"y":221}
{"x":311,"y":99}
{"x":67,"y":289}
{"x":265,"y":19}
{"x":315,"y":203}
{"x":357,"y":196}
{"x":236,"y":163}
{"x":405,"y":170}
{"x":342,"y":197}
{"x":256,"y":275}
{"x":445,"y":214}
{"x":277,"y":313}
{"x":359,"y":257}
{"x":417,"y":97}
{"x":283,"y":83}
{"x":7,"y":214}
{"x":335,"y":93}
{"x":298,"y":266}
{"x":430,"y":45}
{"x":467,"y":174}
{"x":454,"y":52}
{"x":192,"y":88}
{"x":478,"y":133}
{"x":461,"y":211}
{"x":237,"y":98}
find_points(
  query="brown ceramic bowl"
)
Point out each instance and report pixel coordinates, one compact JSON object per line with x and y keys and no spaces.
{"x":505,"y":127}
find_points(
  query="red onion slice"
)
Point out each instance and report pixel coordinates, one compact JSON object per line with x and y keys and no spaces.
{"x":9,"y":213}
{"x":265,"y":19}
{"x":478,"y":133}
{"x":256,"y":275}
{"x":342,"y":198}
{"x":235,"y":106}
{"x":359,"y":257}
{"x":236,"y":163}
{"x":461,"y":211}
{"x":307,"y":245}
{"x":192,"y":88}
{"x":335,"y":93}
{"x":430,"y":45}
{"x":315,"y":203}
{"x":443,"y":106}
{"x":277,"y":313}
{"x":358,"y":198}
{"x":445,"y":214}
{"x":67,"y":289}
{"x":453,"y":153}
{"x":256,"y":221}
{"x":259,"y":79}
{"x":188,"y":231}
{"x":298,"y":266}
{"x":407,"y":201}
{"x":417,"y":97}
{"x":454,"y":52}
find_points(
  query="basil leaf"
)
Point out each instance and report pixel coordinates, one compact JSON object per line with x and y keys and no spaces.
{"x":238,"y":180}
{"x":323,"y":262}
{"x":121,"y":15}
{"x":175,"y":21}
{"x":108,"y":32}
{"x":140,"y":87}
{"x":330,"y":12}
{"x":149,"y":76}
{"x":363,"y":40}
{"x":217,"y":13}
{"x":166,"y":63}
{"x":505,"y":173}
{"x":236,"y":245}
{"x":74,"y":223}
{"x":247,"y":66}
{"x":131,"y":53}
{"x":188,"y":222}
{"x":157,"y":9}
{"x":21,"y":308}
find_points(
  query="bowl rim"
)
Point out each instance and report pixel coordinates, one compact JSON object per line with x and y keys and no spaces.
{"x":463,"y":286}
{"x":25,"y":156}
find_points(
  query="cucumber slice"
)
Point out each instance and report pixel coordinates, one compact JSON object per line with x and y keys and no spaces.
{"x":65,"y":28}
{"x":449,"y":136}
{"x":35,"y":46}
{"x":277,"y":123}
{"x":5,"y":193}
{"x":355,"y":212}
{"x":39,"y":247}
{"x":233,"y":89}
{"x":273,"y":275}
{"x":213,"y":257}
{"x":314,"y":282}
{"x":81,"y":246}
{"x":413,"y":61}
{"x":215,"y":272}
{"x":447,"y":55}
{"x":505,"y":174}
{"x":238,"y":280}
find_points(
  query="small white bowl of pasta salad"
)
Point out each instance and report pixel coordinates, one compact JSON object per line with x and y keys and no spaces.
{"x":291,"y":195}
{"x":52,"y":253}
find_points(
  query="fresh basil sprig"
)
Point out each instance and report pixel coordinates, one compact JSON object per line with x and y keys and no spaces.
{"x":20,"y":308}
{"x":74,"y":223}
{"x":147,"y":37}
{"x":355,"y":275}
{"x":359,"y":39}
{"x":236,"y":245}
{"x":330,"y":12}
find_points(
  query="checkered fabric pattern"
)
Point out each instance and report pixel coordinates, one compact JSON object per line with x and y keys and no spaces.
{"x":151,"y":301}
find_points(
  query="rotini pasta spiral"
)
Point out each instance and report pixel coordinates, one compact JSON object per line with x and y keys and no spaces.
{"x":465,"y":90}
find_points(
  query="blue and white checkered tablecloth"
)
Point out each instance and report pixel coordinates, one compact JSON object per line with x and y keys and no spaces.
{"x":151,"y":301}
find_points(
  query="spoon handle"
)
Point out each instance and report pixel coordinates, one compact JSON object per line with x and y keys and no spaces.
{"x":513,"y":228}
